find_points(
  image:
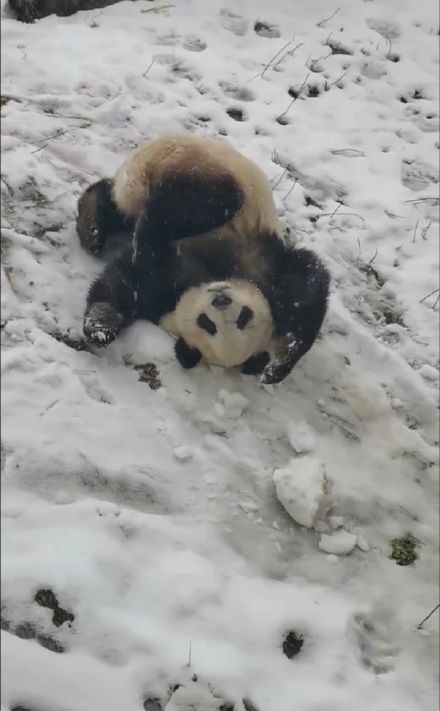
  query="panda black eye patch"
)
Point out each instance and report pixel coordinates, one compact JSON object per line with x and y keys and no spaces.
{"x":205,"y":322}
{"x":244,"y":317}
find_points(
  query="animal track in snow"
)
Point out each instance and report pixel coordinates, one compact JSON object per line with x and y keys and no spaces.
{"x":264,"y":29}
{"x":418,"y":175}
{"x":233,"y":22}
{"x":240,"y":93}
{"x":376,"y":634}
{"x":193,"y":44}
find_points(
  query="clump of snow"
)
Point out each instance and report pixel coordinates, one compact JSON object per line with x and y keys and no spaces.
{"x":339,"y":543}
{"x":362,"y":543}
{"x":183,"y":453}
{"x":303,"y":489}
{"x":301,"y":437}
{"x":233,"y":403}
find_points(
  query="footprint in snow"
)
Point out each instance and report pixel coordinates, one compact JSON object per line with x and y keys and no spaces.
{"x":377,"y":638}
{"x":233,"y":22}
{"x":418,"y":175}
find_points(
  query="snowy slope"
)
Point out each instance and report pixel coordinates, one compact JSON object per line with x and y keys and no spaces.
{"x":179,"y":566}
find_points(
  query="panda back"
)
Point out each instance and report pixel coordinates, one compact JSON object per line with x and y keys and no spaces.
{"x":153,"y":162}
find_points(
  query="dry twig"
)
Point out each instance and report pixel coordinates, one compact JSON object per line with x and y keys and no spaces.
{"x":330,"y":17}
{"x":294,"y":98}
{"x":434,"y":609}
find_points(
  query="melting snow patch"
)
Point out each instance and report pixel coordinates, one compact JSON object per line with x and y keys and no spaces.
{"x":304,"y":490}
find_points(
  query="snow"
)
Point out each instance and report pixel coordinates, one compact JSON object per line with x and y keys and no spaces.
{"x":304,"y":490}
{"x":178,"y":570}
{"x":339,"y":543}
{"x":301,"y":437}
{"x":183,"y":453}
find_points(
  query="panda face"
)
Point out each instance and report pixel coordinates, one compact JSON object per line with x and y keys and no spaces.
{"x":227,"y":321}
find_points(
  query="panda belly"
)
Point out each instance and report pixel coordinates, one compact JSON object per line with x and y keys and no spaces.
{"x":229,"y":346}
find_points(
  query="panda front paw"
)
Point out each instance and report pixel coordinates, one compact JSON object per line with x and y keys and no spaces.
{"x":275,"y":373}
{"x":188,"y":357}
{"x":24,"y":10}
{"x":102,"y":324}
{"x":256,"y":364}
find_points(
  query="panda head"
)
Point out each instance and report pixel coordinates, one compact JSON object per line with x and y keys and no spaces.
{"x":226,"y":321}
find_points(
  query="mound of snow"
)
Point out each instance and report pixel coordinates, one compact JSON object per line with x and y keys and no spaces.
{"x":303,"y":489}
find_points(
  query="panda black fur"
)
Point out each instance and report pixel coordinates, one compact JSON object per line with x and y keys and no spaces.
{"x":207,"y":261}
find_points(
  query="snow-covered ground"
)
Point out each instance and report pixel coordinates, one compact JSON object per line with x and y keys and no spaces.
{"x":150,"y":515}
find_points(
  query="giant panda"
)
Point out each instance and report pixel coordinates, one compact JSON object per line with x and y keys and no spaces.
{"x":31,"y":10}
{"x":206,"y":259}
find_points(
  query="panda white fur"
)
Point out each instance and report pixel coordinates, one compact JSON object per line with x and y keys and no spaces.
{"x":207,"y":261}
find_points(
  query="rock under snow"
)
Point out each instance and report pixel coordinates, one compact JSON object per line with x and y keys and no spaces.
{"x":303,"y":489}
{"x":339,"y":543}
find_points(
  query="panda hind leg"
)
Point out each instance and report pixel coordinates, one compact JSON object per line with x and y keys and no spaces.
{"x":255,"y":364}
{"x":98,"y":216}
{"x":112,"y":301}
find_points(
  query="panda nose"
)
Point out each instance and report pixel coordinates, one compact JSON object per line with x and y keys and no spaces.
{"x":221,"y":301}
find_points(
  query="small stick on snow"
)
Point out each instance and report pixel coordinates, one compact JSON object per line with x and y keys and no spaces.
{"x":388,"y":41}
{"x":57,"y":135}
{"x":360,"y":250}
{"x":436,"y":302}
{"x":189,"y":655}
{"x":290,"y":53}
{"x":425,"y":230}
{"x":330,"y":17}
{"x":290,"y":190}
{"x":266,"y":66}
{"x":435,"y":200}
{"x":158,"y":9}
{"x":415,"y":230}
{"x":436,"y":291}
{"x":373,"y":257}
{"x":420,"y":625}
{"x":339,"y":78}
{"x":279,"y":179}
{"x":294,"y":98}
{"x":315,"y":61}
{"x":341,"y":214}
{"x":149,"y":67}
{"x":336,"y":209}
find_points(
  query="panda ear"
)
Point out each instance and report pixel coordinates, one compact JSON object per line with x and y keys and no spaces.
{"x":191,"y":203}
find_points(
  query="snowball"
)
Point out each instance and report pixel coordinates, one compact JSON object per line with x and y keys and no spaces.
{"x":183,"y":454}
{"x":339,"y":543}
{"x":301,"y":437}
{"x":234,"y":403}
{"x":303,"y":489}
{"x":362,"y":543}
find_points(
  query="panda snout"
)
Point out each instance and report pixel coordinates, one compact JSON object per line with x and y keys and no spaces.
{"x":221,"y":301}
